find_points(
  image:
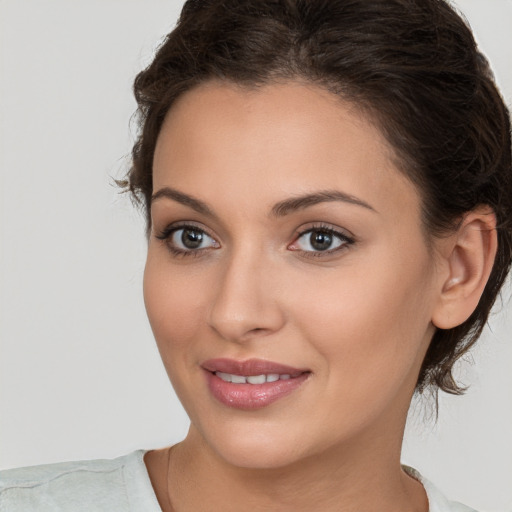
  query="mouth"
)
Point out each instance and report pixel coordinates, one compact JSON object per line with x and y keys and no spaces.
{"x":253,"y":379}
{"x":251,"y":384}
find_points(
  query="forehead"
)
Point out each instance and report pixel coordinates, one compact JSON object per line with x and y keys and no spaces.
{"x":222,"y":140}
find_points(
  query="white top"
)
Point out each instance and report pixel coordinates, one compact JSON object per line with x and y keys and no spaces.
{"x":116,"y":485}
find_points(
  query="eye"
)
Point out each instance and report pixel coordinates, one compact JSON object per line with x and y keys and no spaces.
{"x":320,"y":240}
{"x":184,"y":240}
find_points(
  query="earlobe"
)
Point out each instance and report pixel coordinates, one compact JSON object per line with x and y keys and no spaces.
{"x":468,"y":260}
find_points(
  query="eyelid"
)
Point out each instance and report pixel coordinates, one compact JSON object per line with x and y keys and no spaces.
{"x":174,"y":226}
{"x":324,"y":226}
{"x":342,"y":234}
{"x":166,"y":234}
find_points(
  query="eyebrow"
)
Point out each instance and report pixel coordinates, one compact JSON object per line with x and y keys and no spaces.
{"x":325,"y":196}
{"x":280,"y":209}
{"x":196,"y":204}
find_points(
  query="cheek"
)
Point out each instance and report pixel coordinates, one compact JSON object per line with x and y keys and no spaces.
{"x":175,"y":308}
{"x":172,"y":304}
{"x":369,"y":323}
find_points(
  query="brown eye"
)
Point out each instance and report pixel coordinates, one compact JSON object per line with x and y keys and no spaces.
{"x":187,"y":240}
{"x":320,"y":240}
{"x":191,"y":238}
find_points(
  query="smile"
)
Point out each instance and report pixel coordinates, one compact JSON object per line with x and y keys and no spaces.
{"x":252,"y":379}
{"x":251,"y":384}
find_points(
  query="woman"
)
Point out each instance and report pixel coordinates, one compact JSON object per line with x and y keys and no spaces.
{"x":328,"y":191}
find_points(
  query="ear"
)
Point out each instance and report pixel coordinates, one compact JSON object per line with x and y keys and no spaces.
{"x":467,"y":260}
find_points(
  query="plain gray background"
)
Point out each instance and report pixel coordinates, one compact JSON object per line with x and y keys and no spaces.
{"x":80,"y":376}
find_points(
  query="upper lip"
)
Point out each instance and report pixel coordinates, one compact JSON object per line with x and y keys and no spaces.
{"x":250,"y":367}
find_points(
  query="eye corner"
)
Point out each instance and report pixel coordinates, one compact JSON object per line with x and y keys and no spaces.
{"x":329,"y":235}
{"x":177,"y":245}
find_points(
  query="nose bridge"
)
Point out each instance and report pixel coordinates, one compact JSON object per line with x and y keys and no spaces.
{"x":246,"y":304}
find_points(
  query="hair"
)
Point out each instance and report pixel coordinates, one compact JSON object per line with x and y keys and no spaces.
{"x":411,"y":65}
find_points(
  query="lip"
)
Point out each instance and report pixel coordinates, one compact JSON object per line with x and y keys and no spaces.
{"x":250,"y":367}
{"x":251,"y":396}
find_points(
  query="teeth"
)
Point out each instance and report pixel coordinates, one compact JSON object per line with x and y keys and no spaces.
{"x":224,"y":376}
{"x":252,"y":379}
{"x":256,"y":379}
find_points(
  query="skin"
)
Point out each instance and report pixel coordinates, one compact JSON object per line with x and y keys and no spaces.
{"x":359,"y":318}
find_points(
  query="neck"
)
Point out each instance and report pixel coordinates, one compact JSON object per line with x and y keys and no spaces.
{"x":361,"y":474}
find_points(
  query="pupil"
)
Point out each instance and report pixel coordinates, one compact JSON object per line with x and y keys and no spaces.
{"x":191,"y":239}
{"x":321,"y":240}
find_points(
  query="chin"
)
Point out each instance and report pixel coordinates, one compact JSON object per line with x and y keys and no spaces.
{"x":258,"y":457}
{"x":256,"y":449}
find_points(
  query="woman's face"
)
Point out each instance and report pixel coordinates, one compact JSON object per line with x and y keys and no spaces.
{"x":285,"y":243}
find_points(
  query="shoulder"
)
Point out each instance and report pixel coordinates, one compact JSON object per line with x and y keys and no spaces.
{"x":438,"y":502}
{"x":99,"y":485}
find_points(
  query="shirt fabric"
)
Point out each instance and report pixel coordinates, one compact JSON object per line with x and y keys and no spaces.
{"x":115,"y":485}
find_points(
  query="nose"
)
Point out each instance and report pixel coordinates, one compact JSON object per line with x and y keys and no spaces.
{"x":246,"y":304}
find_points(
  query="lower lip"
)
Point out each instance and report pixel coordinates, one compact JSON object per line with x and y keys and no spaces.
{"x":252,"y":396}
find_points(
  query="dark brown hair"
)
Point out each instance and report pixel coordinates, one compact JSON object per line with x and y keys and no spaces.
{"x":412,"y":65}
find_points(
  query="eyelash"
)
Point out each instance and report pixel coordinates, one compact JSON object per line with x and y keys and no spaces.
{"x":166,"y":234}
{"x":324,"y":228}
